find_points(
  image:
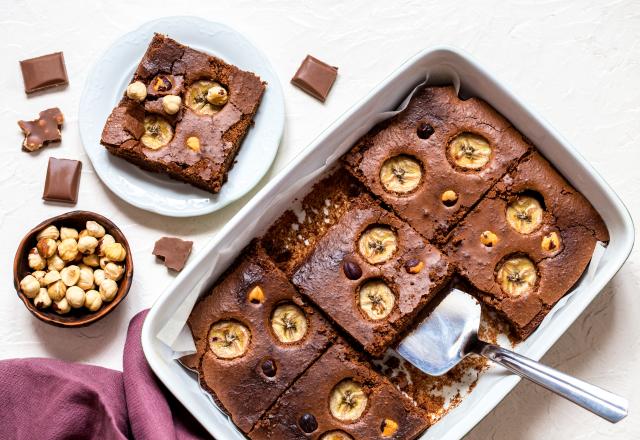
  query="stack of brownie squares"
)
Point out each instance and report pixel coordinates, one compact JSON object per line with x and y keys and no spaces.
{"x":447,"y":189}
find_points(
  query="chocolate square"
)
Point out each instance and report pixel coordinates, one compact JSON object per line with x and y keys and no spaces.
{"x":63,"y":180}
{"x":44,"y":72}
{"x":315,"y":77}
{"x":173,"y":251}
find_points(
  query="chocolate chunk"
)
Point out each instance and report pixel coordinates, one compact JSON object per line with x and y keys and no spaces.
{"x":173,"y":251}
{"x":352,"y":270}
{"x":63,"y":180}
{"x":315,"y":77}
{"x":44,"y":72}
{"x":308,"y":423}
{"x":42,"y":131}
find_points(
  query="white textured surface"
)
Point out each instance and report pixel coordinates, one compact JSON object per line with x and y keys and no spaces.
{"x":576,"y":62}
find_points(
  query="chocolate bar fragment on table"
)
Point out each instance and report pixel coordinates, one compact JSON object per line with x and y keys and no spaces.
{"x":173,"y":251}
{"x":315,"y":77}
{"x":63,"y":180}
{"x":44,"y":72}
{"x":42,"y":131}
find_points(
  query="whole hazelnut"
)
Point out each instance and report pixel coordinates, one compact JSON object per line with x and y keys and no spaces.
{"x":91,"y":260}
{"x":93,"y":300}
{"x":42,"y":300}
{"x":57,"y":290}
{"x":68,"y":233}
{"x":83,"y":233}
{"x":48,"y":232}
{"x":103,"y":262}
{"x":104,"y":241}
{"x":113,"y":271}
{"x":193,"y":143}
{"x":70,"y":275}
{"x":30,"y":286}
{"x":51,"y":277}
{"x":39,"y":275}
{"x":55,"y":263}
{"x":171,"y":104}
{"x":95,"y":229}
{"x":85,"y":281}
{"x":98,"y":276}
{"x":47,"y":247}
{"x":87,"y":244}
{"x":115,"y":252}
{"x":62,"y":307}
{"x":68,"y":249}
{"x":217,"y":95}
{"x":75,"y":297}
{"x":488,"y":238}
{"x":36,"y":262}
{"x":137,"y":91}
{"x":108,"y":290}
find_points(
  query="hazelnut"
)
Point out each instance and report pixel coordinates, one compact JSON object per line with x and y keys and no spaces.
{"x":193,"y":143}
{"x":42,"y":300}
{"x":87,"y":244}
{"x":217,"y":95}
{"x":269,"y":368}
{"x":70,"y":275}
{"x":308,"y":423}
{"x":103,"y":262}
{"x":68,"y":233}
{"x":93,"y":300}
{"x":86,"y":279}
{"x":62,"y":307}
{"x":95,"y":229}
{"x":352,"y":270}
{"x":68,"y":249}
{"x":30,"y":286}
{"x":256,"y":295}
{"x":551,"y":242}
{"x":75,"y":297}
{"x":137,"y":91}
{"x":91,"y":260}
{"x":171,"y":104}
{"x":488,"y":238}
{"x":113,"y":271}
{"x":36,"y":262}
{"x":115,"y":252}
{"x":55,"y":263}
{"x":449,"y":197}
{"x":48,"y":232}
{"x":83,"y":233}
{"x":57,"y":290}
{"x":47,"y":247}
{"x":388,"y":427}
{"x":108,"y":290}
{"x":98,"y":276}
{"x":51,"y":277}
{"x":39,"y":275}
{"x":414,"y":265}
{"x":104,"y":241}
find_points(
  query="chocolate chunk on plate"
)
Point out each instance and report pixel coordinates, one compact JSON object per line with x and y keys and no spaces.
{"x":44,"y":72}
{"x":173,"y":251}
{"x":63,"y":180}
{"x":42,"y":131}
{"x":315,"y":77}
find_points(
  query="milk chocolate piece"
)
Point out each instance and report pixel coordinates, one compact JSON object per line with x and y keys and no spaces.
{"x":173,"y":251}
{"x":44,"y":72}
{"x":63,"y":180}
{"x":315,"y":77}
{"x":42,"y":131}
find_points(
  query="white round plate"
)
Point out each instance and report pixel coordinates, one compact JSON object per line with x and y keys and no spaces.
{"x":155,"y":192}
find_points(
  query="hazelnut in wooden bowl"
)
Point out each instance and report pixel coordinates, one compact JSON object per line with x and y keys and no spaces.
{"x":73,"y":269}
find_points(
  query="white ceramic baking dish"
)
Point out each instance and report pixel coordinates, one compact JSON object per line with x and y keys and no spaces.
{"x":442,"y":65}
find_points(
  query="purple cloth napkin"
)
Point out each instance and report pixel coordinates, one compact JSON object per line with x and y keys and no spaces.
{"x":52,"y":399}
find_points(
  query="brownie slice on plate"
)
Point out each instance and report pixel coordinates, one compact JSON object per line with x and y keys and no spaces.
{"x":184,"y":114}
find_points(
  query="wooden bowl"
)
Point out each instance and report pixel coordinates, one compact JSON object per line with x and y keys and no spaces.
{"x":76,"y":317}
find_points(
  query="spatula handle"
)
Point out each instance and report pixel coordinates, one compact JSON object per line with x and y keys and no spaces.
{"x":600,"y":402}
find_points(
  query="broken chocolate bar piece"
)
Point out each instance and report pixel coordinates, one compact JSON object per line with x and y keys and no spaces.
{"x":63,"y":180}
{"x":173,"y":251}
{"x":44,"y":72}
{"x":315,"y":77}
{"x":42,"y":131}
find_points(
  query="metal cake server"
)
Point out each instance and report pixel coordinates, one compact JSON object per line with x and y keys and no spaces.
{"x":450,"y":333}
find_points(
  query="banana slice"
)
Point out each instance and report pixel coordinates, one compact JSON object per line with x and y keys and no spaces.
{"x":229,"y":339}
{"x":289,"y":323}
{"x":157,"y":132}
{"x":377,"y":244}
{"x":376,"y":299}
{"x":347,"y":401}
{"x":517,"y":276}
{"x":400,"y":174}
{"x":196,"y":97}
{"x":524,"y":214}
{"x":469,"y":151}
{"x":335,"y":435}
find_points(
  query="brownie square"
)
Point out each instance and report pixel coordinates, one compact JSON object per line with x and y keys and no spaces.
{"x":527,"y":243}
{"x":433,"y":161}
{"x":254,"y":336}
{"x":198,"y":143}
{"x":341,"y":394}
{"x":371,"y":273}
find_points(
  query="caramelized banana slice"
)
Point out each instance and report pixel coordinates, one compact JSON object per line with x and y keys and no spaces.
{"x":377,"y":244}
{"x":335,"y":435}
{"x":289,"y":323}
{"x":229,"y":339}
{"x":469,"y":151}
{"x":517,"y":276}
{"x":157,"y":132}
{"x":376,"y":299}
{"x":524,"y":214}
{"x":196,"y":97}
{"x":347,"y":401}
{"x":400,"y":174}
